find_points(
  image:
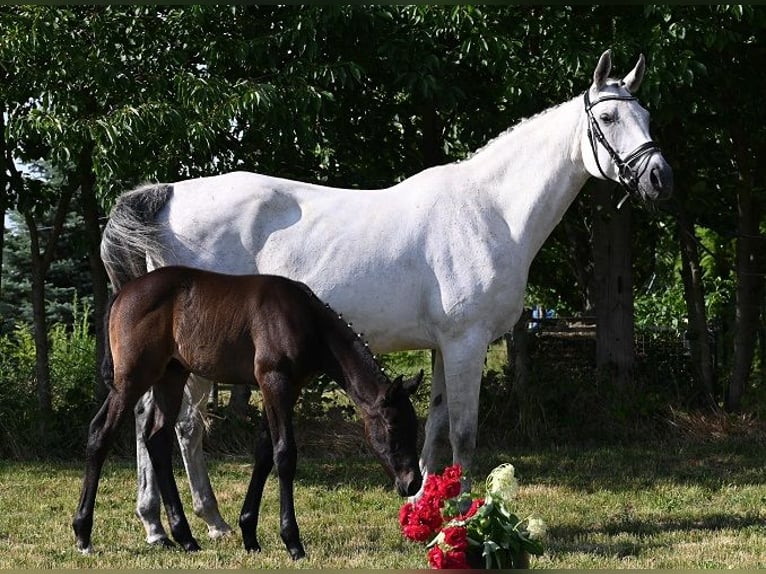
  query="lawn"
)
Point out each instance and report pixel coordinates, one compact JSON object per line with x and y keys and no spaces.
{"x":679,"y":504}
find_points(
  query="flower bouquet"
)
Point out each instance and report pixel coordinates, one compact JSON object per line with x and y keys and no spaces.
{"x":465,"y":532}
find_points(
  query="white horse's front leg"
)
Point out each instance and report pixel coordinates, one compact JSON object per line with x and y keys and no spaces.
{"x":436,"y":423}
{"x":190,"y":430}
{"x":463,"y":366}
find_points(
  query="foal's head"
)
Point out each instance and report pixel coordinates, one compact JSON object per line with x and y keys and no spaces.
{"x":392,"y":430}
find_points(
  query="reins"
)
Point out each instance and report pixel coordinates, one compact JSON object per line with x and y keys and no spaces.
{"x":627,"y":176}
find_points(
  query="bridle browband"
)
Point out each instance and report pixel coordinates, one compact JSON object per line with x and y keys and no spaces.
{"x":627,"y":175}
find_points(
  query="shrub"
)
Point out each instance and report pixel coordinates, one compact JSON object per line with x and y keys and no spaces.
{"x":73,"y":371}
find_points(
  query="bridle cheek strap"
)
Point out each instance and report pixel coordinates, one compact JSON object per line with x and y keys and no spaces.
{"x":628,"y":176}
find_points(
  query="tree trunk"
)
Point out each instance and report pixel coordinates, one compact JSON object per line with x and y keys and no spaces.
{"x":42,"y":363}
{"x":91,"y":215}
{"x":520,"y":366}
{"x":750,"y":268}
{"x":697,"y":328}
{"x":613,"y":282}
{"x":4,"y":181}
{"x":41,"y":262}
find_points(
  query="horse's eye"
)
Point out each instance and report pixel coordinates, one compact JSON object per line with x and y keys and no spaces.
{"x":606,"y":118}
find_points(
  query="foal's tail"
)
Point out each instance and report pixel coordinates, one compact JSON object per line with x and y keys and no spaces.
{"x":132,"y":234}
{"x":107,"y":363}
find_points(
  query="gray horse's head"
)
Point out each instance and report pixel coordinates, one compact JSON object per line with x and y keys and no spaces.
{"x":616,"y":144}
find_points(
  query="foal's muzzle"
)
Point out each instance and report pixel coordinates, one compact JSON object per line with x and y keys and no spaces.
{"x":409,"y":484}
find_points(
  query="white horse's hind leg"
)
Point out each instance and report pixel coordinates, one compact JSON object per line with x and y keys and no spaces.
{"x":190,"y":430}
{"x":436,"y":423}
{"x":148,"y":498}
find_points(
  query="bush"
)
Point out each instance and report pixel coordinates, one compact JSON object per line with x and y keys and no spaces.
{"x":18,"y":405}
{"x":73,"y":372}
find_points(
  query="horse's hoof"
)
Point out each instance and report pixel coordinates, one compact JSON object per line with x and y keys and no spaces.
{"x":191,"y":546}
{"x":85,"y":550}
{"x":253,"y":547}
{"x":216,"y":532}
{"x":163,"y":542}
{"x":297,"y":552}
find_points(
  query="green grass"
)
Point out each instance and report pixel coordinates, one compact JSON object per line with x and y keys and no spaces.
{"x":675,"y":505}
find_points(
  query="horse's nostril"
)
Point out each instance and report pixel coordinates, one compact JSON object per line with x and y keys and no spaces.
{"x":655,"y":179}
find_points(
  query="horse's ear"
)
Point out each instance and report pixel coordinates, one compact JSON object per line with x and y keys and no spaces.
{"x":398,"y":384}
{"x":411,"y":385}
{"x":392,"y":389}
{"x":601,"y":74}
{"x":633,"y":80}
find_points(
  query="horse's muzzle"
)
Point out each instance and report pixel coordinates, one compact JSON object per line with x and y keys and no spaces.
{"x":660,"y":179}
{"x":409,"y":483}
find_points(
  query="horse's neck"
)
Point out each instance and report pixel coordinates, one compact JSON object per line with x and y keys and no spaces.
{"x":352,"y":365}
{"x":533,"y":172}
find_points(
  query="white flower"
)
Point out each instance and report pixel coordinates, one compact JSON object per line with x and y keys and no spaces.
{"x":502,"y":484}
{"x":537,"y":529}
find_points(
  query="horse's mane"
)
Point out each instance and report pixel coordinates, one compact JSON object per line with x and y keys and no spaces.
{"x":522,"y":123}
{"x":357,"y":343}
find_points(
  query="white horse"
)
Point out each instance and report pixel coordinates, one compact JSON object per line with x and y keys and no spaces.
{"x":438,"y":261}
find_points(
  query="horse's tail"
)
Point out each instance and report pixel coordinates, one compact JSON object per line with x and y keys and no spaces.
{"x":107,"y":363}
{"x":132,"y":235}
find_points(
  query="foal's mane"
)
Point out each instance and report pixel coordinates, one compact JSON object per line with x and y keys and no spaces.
{"x":357,"y":345}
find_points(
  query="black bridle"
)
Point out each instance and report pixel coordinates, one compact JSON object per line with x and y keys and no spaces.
{"x":628,"y":176}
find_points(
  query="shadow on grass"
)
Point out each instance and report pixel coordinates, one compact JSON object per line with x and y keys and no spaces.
{"x":627,"y":468}
{"x":642,"y":535}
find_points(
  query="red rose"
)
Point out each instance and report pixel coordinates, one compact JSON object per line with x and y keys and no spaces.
{"x":433,"y":488}
{"x":450,"y":560}
{"x":404,"y":513}
{"x":420,"y":521}
{"x":456,"y":537}
{"x":475,"y":505}
{"x":450,"y":483}
{"x":456,"y":560}
{"x":431,"y":514}
{"x":418,"y":532}
{"x":436,"y":557}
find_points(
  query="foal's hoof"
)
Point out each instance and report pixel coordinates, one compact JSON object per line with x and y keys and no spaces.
{"x":297,"y":552}
{"x":85,"y":550}
{"x":252,"y":546}
{"x":191,"y":546}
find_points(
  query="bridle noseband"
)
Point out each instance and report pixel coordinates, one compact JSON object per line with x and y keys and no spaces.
{"x":627,"y":176}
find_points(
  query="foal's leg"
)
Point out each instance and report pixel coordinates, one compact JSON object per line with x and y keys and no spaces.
{"x":168,"y":393}
{"x":264,"y":462}
{"x":279,"y":394}
{"x":190,"y":431}
{"x":100,"y":437}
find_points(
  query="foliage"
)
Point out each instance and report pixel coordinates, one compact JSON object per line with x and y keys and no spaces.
{"x":362,"y":96}
{"x":73,"y":366}
{"x":68,"y":280}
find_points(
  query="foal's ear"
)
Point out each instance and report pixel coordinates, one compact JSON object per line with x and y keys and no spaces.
{"x":633,"y":80}
{"x":411,"y":385}
{"x":604,"y":66}
{"x":392,"y":390}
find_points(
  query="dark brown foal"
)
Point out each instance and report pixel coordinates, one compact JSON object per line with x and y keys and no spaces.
{"x":254,"y":329}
